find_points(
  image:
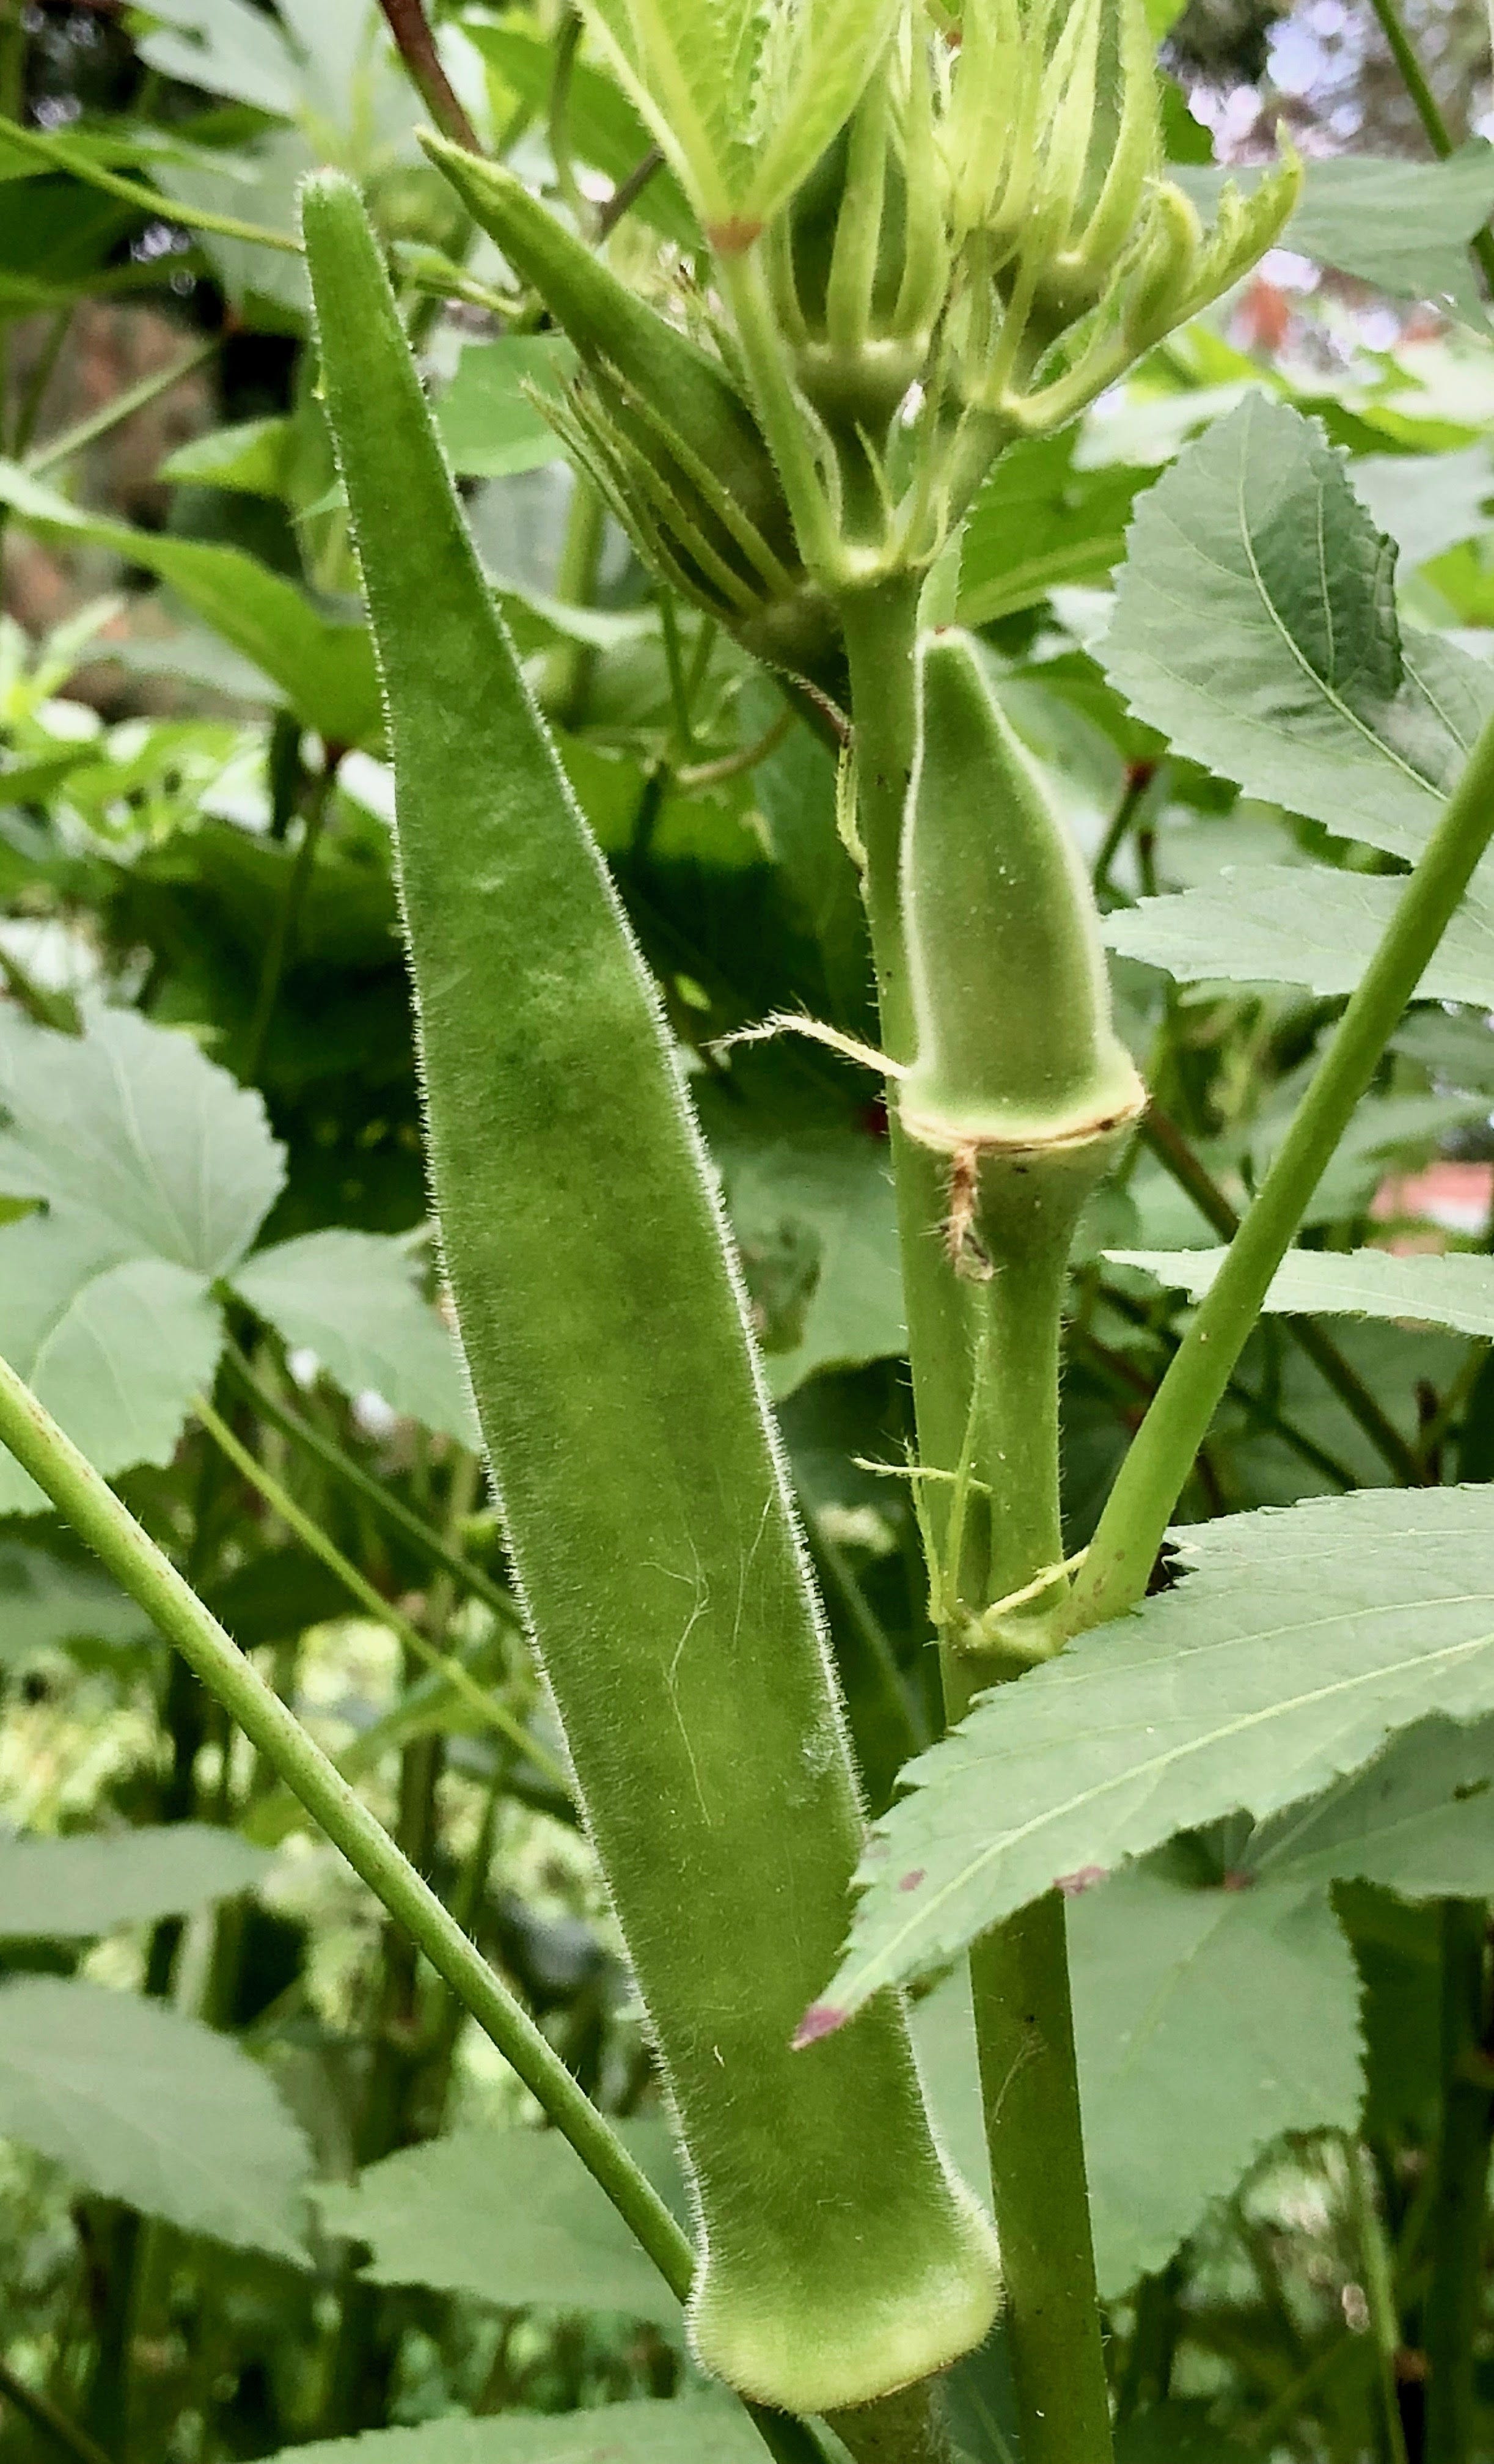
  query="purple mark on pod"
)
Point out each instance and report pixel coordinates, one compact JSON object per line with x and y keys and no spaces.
{"x":820,"y":2019}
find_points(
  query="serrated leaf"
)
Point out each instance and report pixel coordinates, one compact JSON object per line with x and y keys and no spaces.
{"x":116,"y":1348}
{"x":1426,"y":503}
{"x":322,"y":666}
{"x":78,"y":1888}
{"x":141,"y":2104}
{"x":512,"y":2215}
{"x":692,"y":2430}
{"x":1298,"y":1641}
{"x":130,"y":1127}
{"x":353,"y":1298}
{"x":1285,"y":924}
{"x":1419,"y":1821}
{"x":1255,"y":627}
{"x":45,"y":1603}
{"x":1456,"y":1290}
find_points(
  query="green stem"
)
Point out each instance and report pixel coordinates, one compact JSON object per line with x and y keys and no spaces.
{"x":1130,"y":1532}
{"x":1429,"y":112}
{"x":782,"y":422}
{"x":85,"y":1499}
{"x":1173,"y":1152}
{"x":281,"y":944}
{"x":43,"y":2414}
{"x":1459,"y":2211}
{"x":58,"y":156}
{"x":29,"y":409}
{"x":1019,"y":1973}
{"x":1138,"y":779}
{"x":358,"y":1587}
{"x":120,"y":407}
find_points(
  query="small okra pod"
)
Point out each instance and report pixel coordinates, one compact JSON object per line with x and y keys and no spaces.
{"x":1015,"y":1051}
{"x":644,"y":1499}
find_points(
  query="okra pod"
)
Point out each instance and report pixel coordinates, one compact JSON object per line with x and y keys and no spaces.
{"x":645,"y":1503}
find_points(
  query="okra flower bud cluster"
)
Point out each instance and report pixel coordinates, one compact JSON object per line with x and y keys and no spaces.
{"x":933,"y":230}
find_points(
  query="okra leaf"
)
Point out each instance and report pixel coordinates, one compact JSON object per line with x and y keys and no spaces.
{"x":489,"y":421}
{"x":1207,"y":2020}
{"x":46,"y":1604}
{"x":1456,"y":1290}
{"x":690,"y":2430}
{"x":1255,"y":627}
{"x":141,"y":2104}
{"x":78,"y":1888}
{"x":1281,"y":924}
{"x":354,"y":1299}
{"x":322,"y":666}
{"x":1404,"y":226}
{"x":1295,"y":1644}
{"x":116,"y":1346}
{"x":512,"y":2215}
{"x":1037,"y":523}
{"x":130,"y":1129}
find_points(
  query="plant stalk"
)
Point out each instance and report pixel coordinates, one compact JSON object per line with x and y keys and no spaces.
{"x":1460,"y":2206}
{"x":1018,"y":1973}
{"x":120,"y":407}
{"x":1428,"y":111}
{"x":81,"y":1495}
{"x":1150,"y":1479}
{"x":43,"y":2413}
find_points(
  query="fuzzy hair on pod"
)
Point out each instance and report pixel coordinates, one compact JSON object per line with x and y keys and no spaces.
{"x":646,"y":1507}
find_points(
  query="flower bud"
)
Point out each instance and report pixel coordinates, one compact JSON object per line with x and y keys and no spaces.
{"x":659,"y":424}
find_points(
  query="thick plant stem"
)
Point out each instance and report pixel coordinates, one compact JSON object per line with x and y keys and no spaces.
{"x":1019,"y":1973}
{"x":1130,"y":1532}
{"x":151,"y":1579}
{"x":903,"y":2429}
{"x":1459,"y":2222}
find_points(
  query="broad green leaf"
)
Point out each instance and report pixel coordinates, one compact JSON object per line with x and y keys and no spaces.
{"x":131,"y":1129}
{"x":1038,"y":523}
{"x":322,"y":666}
{"x":812,"y":1206}
{"x":1456,"y":1290}
{"x":45,"y":1603}
{"x":1255,"y":627}
{"x":1403,"y":226}
{"x":1419,"y":1821}
{"x":1285,"y":924}
{"x":354,"y":1299}
{"x":1297,"y":1642}
{"x":116,"y":1346}
{"x":1207,"y":2020}
{"x":512,"y":2215}
{"x":692,"y":2430}
{"x":87,"y":1885}
{"x":140,"y":2104}
{"x":488,"y":422}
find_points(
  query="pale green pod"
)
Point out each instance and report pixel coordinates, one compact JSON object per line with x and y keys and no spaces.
{"x":644,"y":1504}
{"x":1015,"y":1046}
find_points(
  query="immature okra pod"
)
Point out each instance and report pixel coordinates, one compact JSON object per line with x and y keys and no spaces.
{"x":643,"y":1501}
{"x":1021,"y":1081}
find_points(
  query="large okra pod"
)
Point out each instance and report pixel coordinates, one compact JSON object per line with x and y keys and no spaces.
{"x":643,"y":1502}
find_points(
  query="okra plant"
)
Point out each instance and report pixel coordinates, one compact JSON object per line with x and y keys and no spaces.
{"x":905,"y":246}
